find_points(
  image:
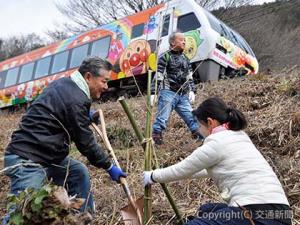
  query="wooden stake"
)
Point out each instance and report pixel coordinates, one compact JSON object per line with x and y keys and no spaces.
{"x":140,"y":137}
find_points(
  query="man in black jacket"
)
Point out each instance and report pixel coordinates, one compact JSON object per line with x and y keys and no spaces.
{"x":174,"y":79}
{"x":39,"y":148}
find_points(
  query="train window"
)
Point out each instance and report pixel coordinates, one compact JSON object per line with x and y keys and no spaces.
{"x":165,"y":29}
{"x":26,"y":72}
{"x":60,"y":62}
{"x":11,"y":77}
{"x":244,"y":44}
{"x":42,"y":68}
{"x":214,"y":22}
{"x":233,"y":38}
{"x":224,"y":31}
{"x":100,"y":47}
{"x":2,"y":78}
{"x":137,"y":30}
{"x":78,"y":55}
{"x":187,"y":22}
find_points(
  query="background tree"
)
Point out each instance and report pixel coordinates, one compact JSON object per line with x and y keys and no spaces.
{"x":87,"y":14}
{"x":17,"y":45}
{"x":57,"y":34}
{"x":2,"y":54}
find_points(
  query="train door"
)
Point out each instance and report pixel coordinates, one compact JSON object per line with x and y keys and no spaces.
{"x":166,"y":27}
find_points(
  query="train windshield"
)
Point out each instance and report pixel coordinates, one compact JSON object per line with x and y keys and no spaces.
{"x":229,"y":33}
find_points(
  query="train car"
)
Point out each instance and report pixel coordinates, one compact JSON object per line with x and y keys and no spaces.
{"x":131,"y":44}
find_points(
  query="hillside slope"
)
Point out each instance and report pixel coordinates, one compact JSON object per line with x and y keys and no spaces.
{"x":272,"y":106}
{"x":272,"y":30}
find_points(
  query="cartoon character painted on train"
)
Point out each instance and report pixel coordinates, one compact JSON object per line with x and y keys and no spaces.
{"x":192,"y":42}
{"x":133,"y":60}
{"x":20,"y":95}
{"x":116,"y":45}
{"x":29,"y":94}
{"x":116,"y":48}
{"x":151,"y":26}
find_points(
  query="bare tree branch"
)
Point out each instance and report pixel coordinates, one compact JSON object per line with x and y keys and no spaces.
{"x":17,"y":45}
{"x":87,"y":14}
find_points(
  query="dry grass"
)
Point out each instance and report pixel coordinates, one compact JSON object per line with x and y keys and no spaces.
{"x":272,"y":106}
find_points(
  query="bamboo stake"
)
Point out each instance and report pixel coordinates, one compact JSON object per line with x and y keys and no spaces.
{"x":140,"y":137}
{"x":148,"y":156}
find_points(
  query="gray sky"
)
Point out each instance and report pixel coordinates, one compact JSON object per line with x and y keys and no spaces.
{"x":28,"y":16}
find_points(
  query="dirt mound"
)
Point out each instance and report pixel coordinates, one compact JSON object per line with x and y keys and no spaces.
{"x":272,"y":107}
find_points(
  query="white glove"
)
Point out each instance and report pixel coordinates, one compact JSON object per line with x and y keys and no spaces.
{"x":152,"y":100}
{"x":147,"y":178}
{"x":192,"y":96}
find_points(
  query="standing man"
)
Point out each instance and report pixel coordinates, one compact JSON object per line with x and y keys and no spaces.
{"x":57,"y":117}
{"x":174,"y":78}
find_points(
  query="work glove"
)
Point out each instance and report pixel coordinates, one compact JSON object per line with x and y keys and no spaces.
{"x":148,"y":180}
{"x":192,"y":96}
{"x":152,"y":100}
{"x":116,"y":173}
{"x":94,"y":116}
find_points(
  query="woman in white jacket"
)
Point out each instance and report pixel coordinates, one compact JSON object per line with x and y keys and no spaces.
{"x":248,"y":185}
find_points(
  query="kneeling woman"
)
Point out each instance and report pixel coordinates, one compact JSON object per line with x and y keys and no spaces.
{"x":247,"y":183}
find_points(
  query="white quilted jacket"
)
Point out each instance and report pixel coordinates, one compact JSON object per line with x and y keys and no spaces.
{"x":241,"y":173}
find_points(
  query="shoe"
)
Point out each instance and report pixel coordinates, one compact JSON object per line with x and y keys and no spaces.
{"x":196,"y":135}
{"x":157,"y":138}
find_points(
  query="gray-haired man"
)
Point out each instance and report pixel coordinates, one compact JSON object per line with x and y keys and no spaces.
{"x":57,"y":117}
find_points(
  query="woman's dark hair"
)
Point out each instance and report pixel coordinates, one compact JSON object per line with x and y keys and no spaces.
{"x":217,"y":109}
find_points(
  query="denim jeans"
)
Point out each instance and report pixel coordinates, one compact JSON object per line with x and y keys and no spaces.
{"x":167,"y":102}
{"x":30,"y":174}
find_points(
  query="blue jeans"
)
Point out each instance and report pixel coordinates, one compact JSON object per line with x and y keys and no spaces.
{"x":167,"y":102}
{"x":30,"y":174}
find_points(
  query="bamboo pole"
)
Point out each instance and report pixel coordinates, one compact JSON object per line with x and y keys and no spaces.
{"x":140,"y":137}
{"x":148,"y":156}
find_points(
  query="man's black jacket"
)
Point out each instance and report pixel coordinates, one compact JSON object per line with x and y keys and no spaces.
{"x":57,"y":117}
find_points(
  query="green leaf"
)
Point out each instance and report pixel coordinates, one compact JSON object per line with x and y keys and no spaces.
{"x":40,"y":196}
{"x":36,"y":207}
{"x":12,"y":198}
{"x":16,"y":219}
{"x":12,"y":201}
{"x":22,"y":195}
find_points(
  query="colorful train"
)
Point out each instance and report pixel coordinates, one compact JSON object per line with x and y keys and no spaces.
{"x":131,"y":44}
